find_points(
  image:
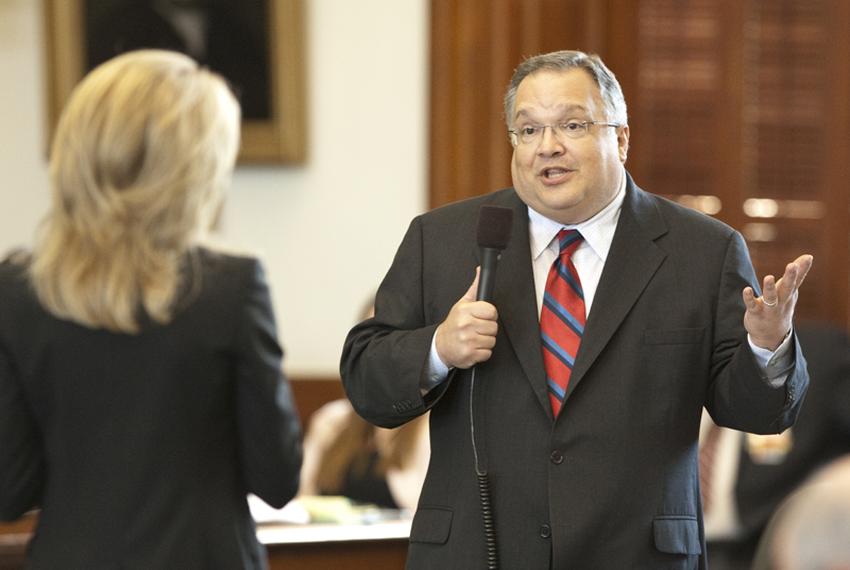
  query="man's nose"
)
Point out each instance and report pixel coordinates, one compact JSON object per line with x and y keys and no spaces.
{"x":550,"y":143}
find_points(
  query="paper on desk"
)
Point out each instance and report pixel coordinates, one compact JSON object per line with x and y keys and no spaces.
{"x":323,"y":509}
{"x":292,"y":512}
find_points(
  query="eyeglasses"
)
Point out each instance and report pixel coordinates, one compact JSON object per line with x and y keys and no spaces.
{"x":530,"y":134}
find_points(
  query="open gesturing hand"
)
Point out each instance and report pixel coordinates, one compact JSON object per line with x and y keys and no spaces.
{"x":768,"y":318}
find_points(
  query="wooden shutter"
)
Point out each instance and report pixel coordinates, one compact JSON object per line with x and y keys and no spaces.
{"x":739,"y":108}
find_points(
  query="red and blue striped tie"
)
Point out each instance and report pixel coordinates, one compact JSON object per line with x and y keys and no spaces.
{"x":562,"y":319}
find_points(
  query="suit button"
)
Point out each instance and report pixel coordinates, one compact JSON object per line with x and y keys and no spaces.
{"x":545,"y":531}
{"x":557,"y":457}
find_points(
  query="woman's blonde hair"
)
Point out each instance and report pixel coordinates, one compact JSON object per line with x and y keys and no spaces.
{"x":141,"y":157}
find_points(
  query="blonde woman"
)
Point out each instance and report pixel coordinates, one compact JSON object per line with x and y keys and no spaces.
{"x":141,"y":394}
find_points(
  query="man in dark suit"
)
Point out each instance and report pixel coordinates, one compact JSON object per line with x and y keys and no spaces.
{"x":767,"y":469}
{"x":611,"y":480}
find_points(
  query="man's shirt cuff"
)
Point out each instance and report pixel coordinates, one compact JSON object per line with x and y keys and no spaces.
{"x":437,"y":369}
{"x":776,"y":364}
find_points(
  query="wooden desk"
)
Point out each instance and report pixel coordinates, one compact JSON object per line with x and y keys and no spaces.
{"x":379,"y":546}
{"x":13,"y":542}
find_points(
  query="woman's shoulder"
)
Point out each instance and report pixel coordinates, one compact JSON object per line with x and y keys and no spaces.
{"x":13,"y":271}
{"x":216,"y":281}
{"x":227,"y":271}
{"x":17,"y":297}
{"x":215,"y":259}
{"x":15,"y":260}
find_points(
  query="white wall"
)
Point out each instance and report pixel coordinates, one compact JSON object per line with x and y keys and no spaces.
{"x":327,"y":231}
{"x":23,"y":175}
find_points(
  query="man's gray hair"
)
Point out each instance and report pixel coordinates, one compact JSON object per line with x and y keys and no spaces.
{"x":609,"y":87}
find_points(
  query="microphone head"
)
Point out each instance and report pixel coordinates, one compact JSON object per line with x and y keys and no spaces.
{"x":494,"y":226}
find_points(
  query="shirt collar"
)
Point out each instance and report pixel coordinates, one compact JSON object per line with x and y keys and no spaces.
{"x":597,"y":231}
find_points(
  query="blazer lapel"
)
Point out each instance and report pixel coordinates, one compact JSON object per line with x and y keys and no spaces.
{"x":516,"y":301}
{"x":632,"y":261}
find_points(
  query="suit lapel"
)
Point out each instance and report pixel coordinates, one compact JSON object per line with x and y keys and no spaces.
{"x":516,"y":301}
{"x":632,"y":261}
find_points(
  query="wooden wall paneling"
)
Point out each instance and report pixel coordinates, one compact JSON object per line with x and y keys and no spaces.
{"x":728,"y":129}
{"x":567,"y":24}
{"x":626,"y":59}
{"x":786,"y":118}
{"x":312,"y":393}
{"x":619,"y":37}
{"x":477,"y":114}
{"x":525,"y":26}
{"x":466,"y":108}
{"x":475,"y":47}
{"x":728,"y":99}
{"x":442,"y":143}
{"x":506,"y":45}
{"x":835,"y":264}
{"x":680,"y":60}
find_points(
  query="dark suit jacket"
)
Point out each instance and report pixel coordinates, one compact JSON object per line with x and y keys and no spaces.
{"x":612,"y":483}
{"x":821,"y":433}
{"x":140,"y":449}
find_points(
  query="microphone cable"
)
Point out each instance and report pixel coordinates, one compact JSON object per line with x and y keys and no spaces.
{"x":483,"y":486}
{"x":493,"y":235}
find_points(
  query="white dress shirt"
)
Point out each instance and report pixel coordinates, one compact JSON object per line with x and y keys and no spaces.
{"x":589,"y":258}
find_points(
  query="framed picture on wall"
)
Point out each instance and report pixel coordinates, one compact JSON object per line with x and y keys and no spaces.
{"x":258,"y":45}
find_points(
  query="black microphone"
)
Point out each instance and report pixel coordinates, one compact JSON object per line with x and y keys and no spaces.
{"x":494,"y":233}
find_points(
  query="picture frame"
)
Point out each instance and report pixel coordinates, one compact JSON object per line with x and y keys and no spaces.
{"x":273,"y":130}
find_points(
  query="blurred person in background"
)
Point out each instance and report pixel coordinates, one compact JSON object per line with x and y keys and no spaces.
{"x":753,"y":474}
{"x":346,"y":455}
{"x":141,"y":392}
{"x":811,"y":530}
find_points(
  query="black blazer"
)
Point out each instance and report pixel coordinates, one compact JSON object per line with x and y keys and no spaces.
{"x":612,"y":483}
{"x":140,"y":449}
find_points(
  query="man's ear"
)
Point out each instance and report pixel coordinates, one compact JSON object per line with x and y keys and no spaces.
{"x":623,"y":142}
